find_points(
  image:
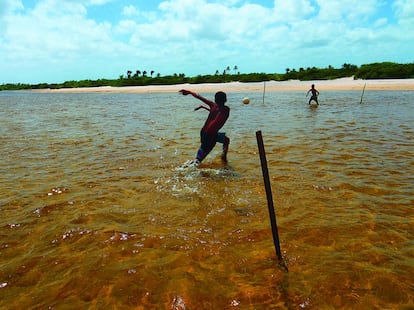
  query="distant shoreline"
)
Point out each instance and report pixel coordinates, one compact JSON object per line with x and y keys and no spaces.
{"x":271,"y":86}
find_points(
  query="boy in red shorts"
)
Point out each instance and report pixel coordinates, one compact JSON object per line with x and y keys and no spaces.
{"x":217,"y":117}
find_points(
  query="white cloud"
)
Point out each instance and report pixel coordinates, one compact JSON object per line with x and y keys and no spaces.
{"x":405,"y":12}
{"x":7,"y":6}
{"x":200,"y":36}
{"x":380,"y":22}
{"x":126,"y":26}
{"x":351,"y":10}
{"x":287,"y":11}
{"x":99,"y":2}
{"x":53,"y":30}
{"x":130,"y":10}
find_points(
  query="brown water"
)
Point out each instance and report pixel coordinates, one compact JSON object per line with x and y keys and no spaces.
{"x":96,"y":213}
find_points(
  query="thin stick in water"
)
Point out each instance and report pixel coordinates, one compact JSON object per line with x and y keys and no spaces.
{"x":363,"y":91}
{"x":264,"y":90}
{"x":268,"y":188}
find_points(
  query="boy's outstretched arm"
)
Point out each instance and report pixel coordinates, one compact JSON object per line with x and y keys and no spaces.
{"x":195,"y":95}
{"x":202,"y":107}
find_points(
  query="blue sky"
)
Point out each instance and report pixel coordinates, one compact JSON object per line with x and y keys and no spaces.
{"x":59,"y":40}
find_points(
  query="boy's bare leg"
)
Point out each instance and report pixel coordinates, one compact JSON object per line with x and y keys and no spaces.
{"x":225,"y":149}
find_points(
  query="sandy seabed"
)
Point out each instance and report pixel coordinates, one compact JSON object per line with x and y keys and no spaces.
{"x":291,"y":85}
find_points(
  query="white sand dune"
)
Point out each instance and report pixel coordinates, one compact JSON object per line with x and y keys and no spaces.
{"x":291,"y":85}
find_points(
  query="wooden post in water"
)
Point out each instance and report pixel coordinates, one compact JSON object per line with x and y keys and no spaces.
{"x":264,"y":90}
{"x":268,"y":188}
{"x":363,"y":91}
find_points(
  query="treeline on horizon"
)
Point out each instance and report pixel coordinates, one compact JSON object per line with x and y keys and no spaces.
{"x":383,"y":70}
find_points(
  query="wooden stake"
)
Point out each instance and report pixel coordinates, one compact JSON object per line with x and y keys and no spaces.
{"x":264,"y":90}
{"x":268,"y":188}
{"x":363,"y":91}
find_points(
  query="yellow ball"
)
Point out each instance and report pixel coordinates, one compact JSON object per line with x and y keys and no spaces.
{"x":246,"y":100}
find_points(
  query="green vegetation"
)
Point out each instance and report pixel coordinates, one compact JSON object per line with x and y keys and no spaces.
{"x":383,"y":70}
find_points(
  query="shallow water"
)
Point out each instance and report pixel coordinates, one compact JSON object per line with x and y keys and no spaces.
{"x":95,"y":211}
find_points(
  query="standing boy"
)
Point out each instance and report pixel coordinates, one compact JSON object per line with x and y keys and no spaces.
{"x":217,"y":117}
{"x":314,"y":96}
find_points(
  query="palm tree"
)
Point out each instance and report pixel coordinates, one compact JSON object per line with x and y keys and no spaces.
{"x":217,"y":72}
{"x":152,"y":72}
{"x":129,"y":72}
{"x":144,"y":73}
{"x":235,"y":69}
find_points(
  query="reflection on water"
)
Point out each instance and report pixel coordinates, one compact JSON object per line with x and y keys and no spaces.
{"x":97,"y":213}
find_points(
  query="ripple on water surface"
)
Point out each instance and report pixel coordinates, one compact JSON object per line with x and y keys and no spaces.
{"x":96,"y":208}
